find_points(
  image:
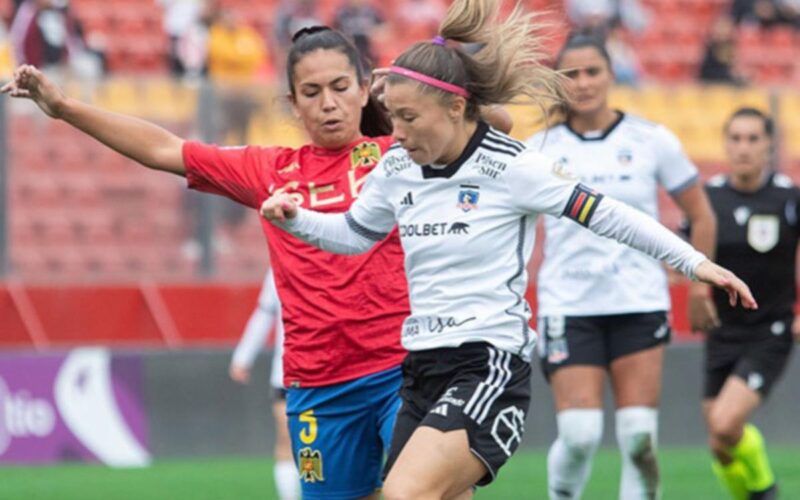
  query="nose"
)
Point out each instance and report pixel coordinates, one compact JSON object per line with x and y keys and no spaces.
{"x":328,"y":102}
{"x":399,"y":132}
{"x":581,"y":80}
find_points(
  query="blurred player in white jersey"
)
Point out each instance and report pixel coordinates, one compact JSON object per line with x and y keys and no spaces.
{"x":266,"y":318}
{"x":465,"y":199}
{"x":603,"y":307}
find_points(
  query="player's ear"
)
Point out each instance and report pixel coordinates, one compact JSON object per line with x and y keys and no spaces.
{"x":456,"y":107}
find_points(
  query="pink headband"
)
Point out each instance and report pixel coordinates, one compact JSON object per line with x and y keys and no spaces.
{"x":429,"y":80}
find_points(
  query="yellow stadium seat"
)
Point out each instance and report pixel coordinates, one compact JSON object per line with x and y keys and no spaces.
{"x":167,"y":100}
{"x":119,"y":95}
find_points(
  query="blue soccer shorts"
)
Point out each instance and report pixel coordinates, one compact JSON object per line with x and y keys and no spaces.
{"x":341,"y":433}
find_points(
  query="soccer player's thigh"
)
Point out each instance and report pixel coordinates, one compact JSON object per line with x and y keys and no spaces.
{"x":636,"y":347}
{"x":340,"y":455}
{"x":573,"y":358}
{"x":719,"y":360}
{"x":440,"y":464}
{"x":466,"y":441}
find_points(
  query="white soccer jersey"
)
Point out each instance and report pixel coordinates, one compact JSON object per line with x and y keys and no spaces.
{"x":468,"y":230}
{"x":583,"y":275}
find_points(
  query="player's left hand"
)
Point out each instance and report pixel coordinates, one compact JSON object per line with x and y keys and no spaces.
{"x":738,"y":291}
{"x":279,"y":207}
{"x":796,"y":328}
{"x":239,"y":373}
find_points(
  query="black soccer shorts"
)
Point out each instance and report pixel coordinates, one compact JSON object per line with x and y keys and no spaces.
{"x":475,"y":387}
{"x":758,"y":358}
{"x":598,"y":340}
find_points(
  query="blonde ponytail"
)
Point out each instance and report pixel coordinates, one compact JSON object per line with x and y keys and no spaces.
{"x":508,"y":67}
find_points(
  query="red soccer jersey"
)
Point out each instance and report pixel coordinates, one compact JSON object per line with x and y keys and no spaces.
{"x":342,"y":314}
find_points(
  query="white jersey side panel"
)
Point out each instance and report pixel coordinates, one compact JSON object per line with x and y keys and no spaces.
{"x":583,"y":274}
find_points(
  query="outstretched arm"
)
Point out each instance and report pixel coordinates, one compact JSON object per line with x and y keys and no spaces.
{"x":142,"y":141}
{"x":336,"y":233}
{"x":627,"y":225}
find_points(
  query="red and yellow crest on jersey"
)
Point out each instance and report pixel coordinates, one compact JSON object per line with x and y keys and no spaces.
{"x":365,"y":154}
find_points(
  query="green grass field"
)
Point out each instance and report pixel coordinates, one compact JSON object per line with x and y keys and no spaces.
{"x":685,"y":471}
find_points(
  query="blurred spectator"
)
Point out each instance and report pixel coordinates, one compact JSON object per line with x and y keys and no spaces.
{"x":236,"y":57}
{"x":291,"y":17}
{"x":360,"y":20}
{"x":6,"y":54}
{"x":766,"y":13}
{"x":720,"y":54}
{"x":181,"y":20}
{"x":44,"y":33}
{"x":600,"y":15}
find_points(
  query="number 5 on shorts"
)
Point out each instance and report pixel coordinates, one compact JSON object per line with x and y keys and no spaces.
{"x":309,"y":435}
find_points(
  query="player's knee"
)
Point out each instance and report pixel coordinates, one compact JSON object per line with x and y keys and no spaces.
{"x":637,"y":436}
{"x":580,"y":431}
{"x":725,"y":430}
{"x":401,"y":490}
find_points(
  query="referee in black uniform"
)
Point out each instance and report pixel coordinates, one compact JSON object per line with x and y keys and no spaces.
{"x":746,"y":351}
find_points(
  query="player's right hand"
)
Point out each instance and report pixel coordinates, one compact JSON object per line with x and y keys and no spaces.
{"x":279,"y":207}
{"x":30,"y":83}
{"x":239,"y":373}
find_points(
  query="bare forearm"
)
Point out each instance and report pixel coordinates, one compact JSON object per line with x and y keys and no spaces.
{"x":142,"y":141}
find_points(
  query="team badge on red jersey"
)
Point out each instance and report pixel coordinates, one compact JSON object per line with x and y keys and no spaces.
{"x":365,"y":154}
{"x":310,"y":462}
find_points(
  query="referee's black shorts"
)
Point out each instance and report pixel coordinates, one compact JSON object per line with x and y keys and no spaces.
{"x":475,"y":387}
{"x":598,"y":340}
{"x":757,"y":354}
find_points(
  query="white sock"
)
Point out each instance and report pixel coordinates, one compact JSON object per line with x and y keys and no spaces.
{"x":287,"y":480}
{"x":637,"y":432}
{"x":569,"y":461}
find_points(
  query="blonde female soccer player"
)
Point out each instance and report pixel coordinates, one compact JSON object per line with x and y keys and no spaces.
{"x":466,"y":198}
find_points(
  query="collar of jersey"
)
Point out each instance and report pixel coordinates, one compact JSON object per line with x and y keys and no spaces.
{"x":319,"y":150}
{"x":600,"y":137}
{"x":450,"y":170}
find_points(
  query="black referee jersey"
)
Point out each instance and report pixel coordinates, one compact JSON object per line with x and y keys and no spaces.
{"x":757,"y":237}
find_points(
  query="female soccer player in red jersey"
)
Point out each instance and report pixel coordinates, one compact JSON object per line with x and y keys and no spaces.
{"x":342,"y":315}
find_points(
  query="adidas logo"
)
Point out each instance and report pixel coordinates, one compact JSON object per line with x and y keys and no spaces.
{"x":440,"y":410}
{"x":408,"y":200}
